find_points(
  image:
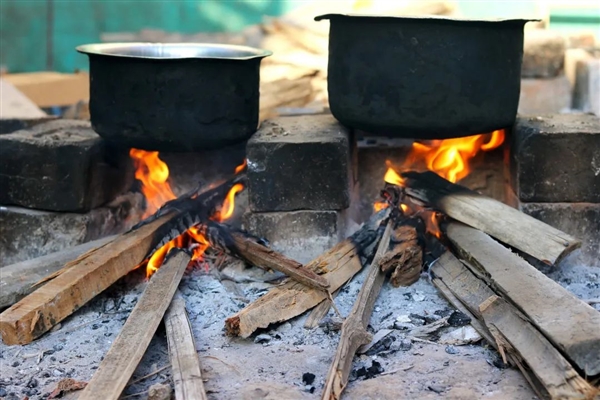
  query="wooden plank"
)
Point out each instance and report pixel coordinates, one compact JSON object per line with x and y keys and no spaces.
{"x":262,"y":256}
{"x":129,"y":346}
{"x":18,"y":280}
{"x":78,"y":284}
{"x":354,"y":329}
{"x":290,"y":299}
{"x":505,"y":223}
{"x":187,"y":375}
{"x":568,"y":322}
{"x":512,"y":334}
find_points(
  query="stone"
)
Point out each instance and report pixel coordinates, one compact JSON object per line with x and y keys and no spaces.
{"x":581,"y":220}
{"x":556,"y":158}
{"x":28,"y":234}
{"x":300,"y":163}
{"x":572,"y":58}
{"x":300,"y":235}
{"x":61,"y":165}
{"x":543,"y":54}
{"x":544,"y":96}
{"x":586,"y":95}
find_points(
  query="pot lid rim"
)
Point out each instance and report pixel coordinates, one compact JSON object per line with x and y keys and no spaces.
{"x":111,"y":50}
{"x":423,"y":17}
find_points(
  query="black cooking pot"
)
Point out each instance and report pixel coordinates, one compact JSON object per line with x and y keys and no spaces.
{"x":175,"y":97}
{"x":428,"y":78}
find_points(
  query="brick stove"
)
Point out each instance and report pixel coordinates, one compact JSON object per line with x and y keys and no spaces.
{"x":310,"y":181}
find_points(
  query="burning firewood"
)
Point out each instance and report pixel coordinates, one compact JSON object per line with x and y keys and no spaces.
{"x":505,"y":328}
{"x":337,"y":266}
{"x":127,"y":350}
{"x":504,"y":223}
{"x":568,"y":322}
{"x":240,"y":245}
{"x":354,"y":330}
{"x":90,"y":274}
{"x":405,"y":258}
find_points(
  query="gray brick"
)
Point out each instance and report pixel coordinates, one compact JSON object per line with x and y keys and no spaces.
{"x":300,"y":163}
{"x":61,"y":165}
{"x":556,"y":158}
{"x":543,"y":54}
{"x":586,"y":96}
{"x":27,"y":234}
{"x":545,"y":96}
{"x":581,"y":220}
{"x":300,"y":235}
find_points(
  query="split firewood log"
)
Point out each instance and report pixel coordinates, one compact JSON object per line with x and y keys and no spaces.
{"x":405,"y":258}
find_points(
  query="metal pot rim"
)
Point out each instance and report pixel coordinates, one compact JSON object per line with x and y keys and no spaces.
{"x":174,"y":51}
{"x":422,"y":18}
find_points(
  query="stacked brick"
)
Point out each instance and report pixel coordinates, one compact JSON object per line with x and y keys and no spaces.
{"x":555,"y":175}
{"x":301,"y":181}
{"x":54,"y":179}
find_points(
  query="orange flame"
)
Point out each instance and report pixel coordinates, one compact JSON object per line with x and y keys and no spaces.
{"x":153,"y":174}
{"x":448,"y":158}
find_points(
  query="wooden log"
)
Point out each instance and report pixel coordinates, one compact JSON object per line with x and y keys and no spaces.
{"x":548,"y":372}
{"x":568,"y":322}
{"x":90,"y":274}
{"x":504,"y":223}
{"x":291,"y":298}
{"x":262,"y":256}
{"x":187,"y":375}
{"x":405,"y":258}
{"x":129,"y":346}
{"x":354,"y":329}
{"x":59,"y":298}
{"x":18,"y":280}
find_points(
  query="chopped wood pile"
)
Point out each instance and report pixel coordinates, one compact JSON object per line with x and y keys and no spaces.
{"x":534,"y":323}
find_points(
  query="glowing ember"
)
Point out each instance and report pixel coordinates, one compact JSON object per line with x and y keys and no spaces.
{"x":153,"y":174}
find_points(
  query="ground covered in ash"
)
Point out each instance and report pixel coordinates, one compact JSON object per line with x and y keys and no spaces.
{"x":285,"y":361}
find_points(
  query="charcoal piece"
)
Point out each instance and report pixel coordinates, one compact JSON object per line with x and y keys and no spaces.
{"x":308,"y":378}
{"x":371,"y":372}
{"x":62,"y":166}
{"x":555,"y":158}
{"x":300,"y":163}
{"x":458,"y":318}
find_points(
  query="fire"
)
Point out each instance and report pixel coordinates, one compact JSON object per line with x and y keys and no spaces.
{"x":448,"y":158}
{"x":153,"y":174}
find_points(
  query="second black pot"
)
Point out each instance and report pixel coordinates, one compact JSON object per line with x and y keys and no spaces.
{"x":424,"y":78}
{"x":174,"y":97}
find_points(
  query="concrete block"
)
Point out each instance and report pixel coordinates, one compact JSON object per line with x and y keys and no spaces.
{"x":556,"y":158}
{"x":581,"y":220}
{"x":300,"y":163}
{"x":27,"y":234}
{"x":545,"y":96}
{"x":586,"y":96}
{"x":572,"y":58}
{"x":300,"y":235}
{"x":543,"y":54}
{"x":61,"y":165}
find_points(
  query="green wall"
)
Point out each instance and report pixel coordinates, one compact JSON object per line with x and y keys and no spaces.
{"x":42,"y":34}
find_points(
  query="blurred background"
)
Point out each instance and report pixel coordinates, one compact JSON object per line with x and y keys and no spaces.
{"x":41,"y":35}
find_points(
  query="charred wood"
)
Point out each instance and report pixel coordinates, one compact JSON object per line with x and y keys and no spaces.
{"x":504,"y":223}
{"x":290,"y":299}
